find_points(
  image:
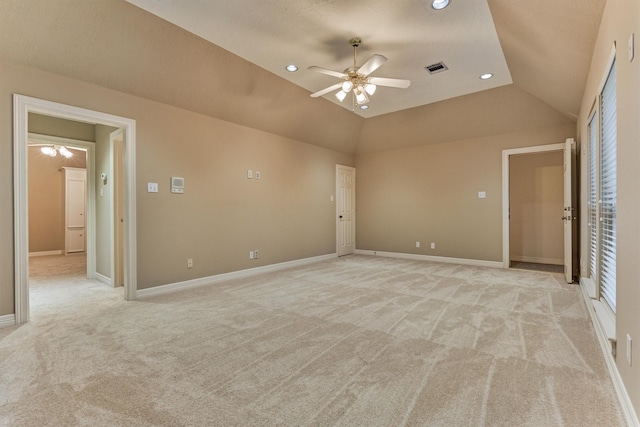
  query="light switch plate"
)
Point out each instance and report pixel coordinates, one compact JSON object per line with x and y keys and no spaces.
{"x":249,"y":174}
{"x":152,"y":187}
{"x":257,"y":174}
{"x":482,"y":194}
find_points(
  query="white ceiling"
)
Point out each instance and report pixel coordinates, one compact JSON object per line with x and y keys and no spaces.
{"x":410,"y":33}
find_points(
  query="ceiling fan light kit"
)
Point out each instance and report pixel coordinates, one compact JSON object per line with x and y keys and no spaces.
{"x":370,"y":88}
{"x":357,"y":80}
{"x":53,"y":150}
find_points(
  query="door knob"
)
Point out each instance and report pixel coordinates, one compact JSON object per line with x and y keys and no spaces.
{"x":340,"y":216}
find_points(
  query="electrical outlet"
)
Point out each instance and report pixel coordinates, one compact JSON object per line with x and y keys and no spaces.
{"x":629,"y":354}
{"x":190,"y":263}
{"x":433,"y":245}
{"x":251,"y":255}
{"x":257,"y":174}
{"x":417,"y":244}
{"x":256,"y":255}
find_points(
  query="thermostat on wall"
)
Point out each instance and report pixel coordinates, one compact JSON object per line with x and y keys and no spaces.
{"x":177,"y":185}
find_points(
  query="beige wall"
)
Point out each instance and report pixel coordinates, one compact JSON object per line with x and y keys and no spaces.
{"x":430,"y":194}
{"x":498,"y":111}
{"x":54,"y":126}
{"x":536,"y":201}
{"x":621,"y":19}
{"x":287,"y":215}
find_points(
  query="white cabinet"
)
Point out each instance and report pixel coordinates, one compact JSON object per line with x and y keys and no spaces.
{"x":75,"y":196}
{"x":75,"y":240}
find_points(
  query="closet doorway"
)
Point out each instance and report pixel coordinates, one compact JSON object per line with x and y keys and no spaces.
{"x":538,"y":208}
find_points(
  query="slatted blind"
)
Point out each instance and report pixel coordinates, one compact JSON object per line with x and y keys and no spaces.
{"x":608,"y":183}
{"x":592,"y":204}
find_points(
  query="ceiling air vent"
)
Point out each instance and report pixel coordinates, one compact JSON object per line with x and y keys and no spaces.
{"x":436,"y":68}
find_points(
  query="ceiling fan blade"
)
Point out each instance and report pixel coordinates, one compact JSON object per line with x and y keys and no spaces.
{"x":326,"y":90}
{"x":372,"y":64}
{"x":326,"y":71}
{"x":381,"y":81}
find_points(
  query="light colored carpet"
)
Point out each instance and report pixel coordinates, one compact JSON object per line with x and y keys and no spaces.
{"x":354,"y":341}
{"x":549,"y":268}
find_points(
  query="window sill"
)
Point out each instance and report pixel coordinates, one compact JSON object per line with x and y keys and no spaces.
{"x":607,"y":322}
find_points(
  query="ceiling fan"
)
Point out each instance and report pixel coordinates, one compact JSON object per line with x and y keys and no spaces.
{"x":357,"y":80}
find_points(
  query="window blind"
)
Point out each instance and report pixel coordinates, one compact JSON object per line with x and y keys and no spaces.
{"x":592,"y":204}
{"x":608,"y":183}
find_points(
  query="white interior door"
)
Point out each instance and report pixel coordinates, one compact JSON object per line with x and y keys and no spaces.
{"x":75,"y":209}
{"x":345,"y":209}
{"x":117,"y":199}
{"x":569,"y":218}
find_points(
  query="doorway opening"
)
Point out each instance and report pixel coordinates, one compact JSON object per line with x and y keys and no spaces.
{"x":60,"y":205}
{"x":538,"y":216}
{"x":536,"y":204}
{"x":24,"y":105}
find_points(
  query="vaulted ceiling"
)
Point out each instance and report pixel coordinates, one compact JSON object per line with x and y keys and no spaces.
{"x":410,"y":33}
{"x":546,"y":46}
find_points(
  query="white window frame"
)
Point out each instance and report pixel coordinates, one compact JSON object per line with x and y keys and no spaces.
{"x":593,"y":130}
{"x":610,"y":278}
{"x":603,"y":310}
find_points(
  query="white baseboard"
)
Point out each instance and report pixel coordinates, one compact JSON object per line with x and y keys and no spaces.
{"x":187,"y":284}
{"x":7,"y":320}
{"x":537,"y":260}
{"x":605,"y":345}
{"x":588,"y":285}
{"x":418,"y":257}
{"x":45,"y":253}
{"x":103,"y":279}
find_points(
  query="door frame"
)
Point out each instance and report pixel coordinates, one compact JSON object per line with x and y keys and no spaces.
{"x":22,"y":106}
{"x":353,"y":230}
{"x":505,"y":190}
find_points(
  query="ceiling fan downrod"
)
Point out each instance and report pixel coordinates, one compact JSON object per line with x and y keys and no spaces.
{"x":355,"y":42}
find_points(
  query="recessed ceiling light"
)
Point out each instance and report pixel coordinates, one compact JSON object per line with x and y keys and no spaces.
{"x":364,"y":107}
{"x":486,"y":76}
{"x":439,"y":4}
{"x":292,"y":68}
